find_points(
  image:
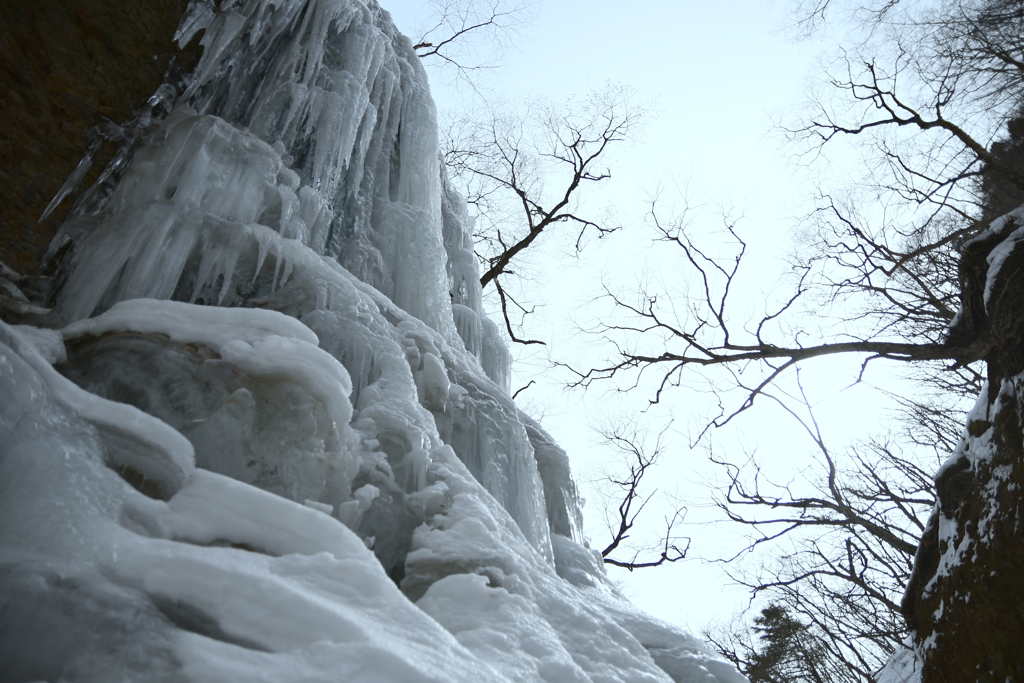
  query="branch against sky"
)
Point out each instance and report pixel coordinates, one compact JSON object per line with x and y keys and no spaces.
{"x":840,"y":538}
{"x":928,"y":86}
{"x":529,"y":170}
{"x":639,"y":457}
{"x":470,"y":36}
{"x":884,"y":255}
{"x":813,"y":16}
{"x":681,"y":339}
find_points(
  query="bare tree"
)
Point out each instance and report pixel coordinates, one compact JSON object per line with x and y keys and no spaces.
{"x":681,"y":342}
{"x":928,"y":110}
{"x":901,"y":282}
{"x":928,"y":95}
{"x":639,"y":459}
{"x":527,"y":172}
{"x":907,"y":278}
{"x":471,"y":35}
{"x":930,"y":105}
{"x":850,"y":535}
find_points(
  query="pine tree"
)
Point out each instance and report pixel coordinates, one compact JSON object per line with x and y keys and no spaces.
{"x":1000,"y":193}
{"x":788,"y":650}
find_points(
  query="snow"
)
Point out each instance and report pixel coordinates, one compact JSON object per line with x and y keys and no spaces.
{"x":265,"y":433}
{"x":213,"y":507}
{"x":183,"y":323}
{"x":972,"y":452}
{"x":134,"y":438}
{"x":903,"y":667}
{"x":998,"y":256}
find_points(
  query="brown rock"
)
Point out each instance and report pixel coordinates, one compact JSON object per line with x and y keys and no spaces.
{"x":969,"y":616}
{"x":965,"y":600}
{"x":65,"y":66}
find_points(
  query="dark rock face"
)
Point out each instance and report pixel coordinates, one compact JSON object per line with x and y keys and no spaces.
{"x":965,"y":596}
{"x":968,"y":616}
{"x":66,"y":66}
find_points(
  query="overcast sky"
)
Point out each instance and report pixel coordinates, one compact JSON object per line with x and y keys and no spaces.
{"x":721,"y":76}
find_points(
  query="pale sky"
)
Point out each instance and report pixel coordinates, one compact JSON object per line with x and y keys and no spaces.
{"x":721,"y":75}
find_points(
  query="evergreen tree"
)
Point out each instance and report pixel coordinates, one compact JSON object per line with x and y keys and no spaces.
{"x":778,"y":633}
{"x":785,"y":651}
{"x":999,"y":192}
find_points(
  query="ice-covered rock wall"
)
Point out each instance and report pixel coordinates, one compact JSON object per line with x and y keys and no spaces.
{"x":264,"y":432}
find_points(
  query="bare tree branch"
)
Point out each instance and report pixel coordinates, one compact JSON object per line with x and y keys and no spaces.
{"x":527,"y":173}
{"x":850,"y":541}
{"x":671,"y":547}
{"x":522,"y":389}
{"x":471,"y":35}
{"x":504,"y":313}
{"x":704,"y":335}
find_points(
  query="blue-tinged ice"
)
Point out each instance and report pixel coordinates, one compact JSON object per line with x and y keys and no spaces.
{"x":265,"y":432}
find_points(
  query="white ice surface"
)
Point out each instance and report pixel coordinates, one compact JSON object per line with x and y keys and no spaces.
{"x":183,"y":323}
{"x":306,"y":590}
{"x":284,"y":279}
{"x":135,"y":439}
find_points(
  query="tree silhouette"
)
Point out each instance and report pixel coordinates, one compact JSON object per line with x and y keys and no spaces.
{"x":778,"y":648}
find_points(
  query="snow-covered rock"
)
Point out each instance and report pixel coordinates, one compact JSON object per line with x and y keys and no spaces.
{"x":964,"y":598}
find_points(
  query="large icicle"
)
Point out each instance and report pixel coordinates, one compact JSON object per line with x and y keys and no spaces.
{"x":342,"y":97}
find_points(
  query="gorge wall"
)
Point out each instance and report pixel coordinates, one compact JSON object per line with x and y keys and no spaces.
{"x":963,"y":601}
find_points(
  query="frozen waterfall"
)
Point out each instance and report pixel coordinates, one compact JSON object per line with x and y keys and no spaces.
{"x":264,"y":433}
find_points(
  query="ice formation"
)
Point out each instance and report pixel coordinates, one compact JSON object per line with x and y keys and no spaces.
{"x":265,"y":432}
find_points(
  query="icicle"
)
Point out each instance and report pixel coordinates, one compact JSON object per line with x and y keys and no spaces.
{"x":277,"y":270}
{"x":198,"y":16}
{"x":288,"y":265}
{"x":264,"y":248}
{"x":72,"y":181}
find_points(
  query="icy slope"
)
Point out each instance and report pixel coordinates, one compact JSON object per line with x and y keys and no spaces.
{"x":265,"y":432}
